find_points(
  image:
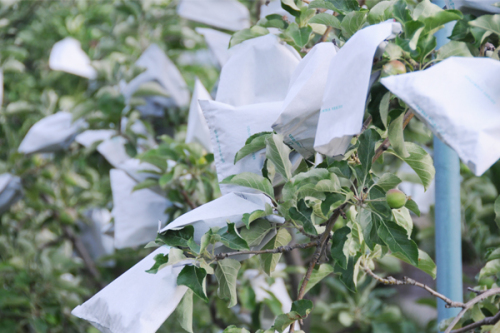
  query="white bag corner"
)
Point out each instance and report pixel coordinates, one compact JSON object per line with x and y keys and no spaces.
{"x":67,"y":56}
{"x":197,"y":127}
{"x":347,"y":87}
{"x":93,"y":234}
{"x":218,"y":42}
{"x":458,"y":99}
{"x":230,"y":127}
{"x":11,"y":191}
{"x":299,"y":115}
{"x":89,"y":137}
{"x":52,"y":133}
{"x":225,"y":14}
{"x":136,"y":213}
{"x":259,"y":70}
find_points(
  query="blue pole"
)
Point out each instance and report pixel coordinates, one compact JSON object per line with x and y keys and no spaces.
{"x":447,"y":216}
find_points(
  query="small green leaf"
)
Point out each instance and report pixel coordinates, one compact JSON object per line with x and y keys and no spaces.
{"x":173,"y":257}
{"x":249,"y":33}
{"x":396,"y":136}
{"x":208,"y":238}
{"x":299,"y":35}
{"x":488,"y":23}
{"x":318,"y":274}
{"x":326,"y":19}
{"x":401,"y":12}
{"x":176,"y":237}
{"x":366,"y":150}
{"x":253,"y":144}
{"x":381,"y":12}
{"x":302,"y":214}
{"x":270,"y":260}
{"x":338,"y":241}
{"x":339,"y":6}
{"x":388,"y":181}
{"x":433,"y":16}
{"x":193,"y":246}
{"x":291,"y":7}
{"x":396,"y":238}
{"x":256,"y":233}
{"x":453,"y":49}
{"x":332,"y":199}
{"x":230,"y":238}
{"x":353,"y":22}
{"x":193,"y":278}
{"x":413,"y":29}
{"x":234,"y":329}
{"x":273,"y":21}
{"x":250,"y":217}
{"x":145,"y":184}
{"x":425,"y":262}
{"x":300,"y":310}
{"x":278,"y":153}
{"x":184,"y":311}
{"x":412,"y":205}
{"x":150,"y":88}
{"x":384,"y":107}
{"x":251,"y":180}
{"x":227,"y":275}
{"x":403,"y":218}
{"x":347,"y":275}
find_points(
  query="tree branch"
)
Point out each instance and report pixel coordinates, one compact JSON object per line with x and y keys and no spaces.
{"x":486,"y":321}
{"x":407,"y":281}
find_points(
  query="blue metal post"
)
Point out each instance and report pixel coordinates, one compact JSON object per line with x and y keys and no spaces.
{"x":448,"y":221}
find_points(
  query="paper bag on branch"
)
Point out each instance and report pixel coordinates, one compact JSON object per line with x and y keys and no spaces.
{"x":459,"y":100}
{"x":197,"y":127}
{"x":344,"y":100}
{"x":52,"y":133}
{"x":11,"y":191}
{"x":230,"y":127}
{"x":89,"y":137}
{"x":259,"y":70}
{"x":474,"y":6}
{"x":225,"y":14}
{"x":218,"y":42}
{"x":299,"y":115}
{"x":67,"y":56}
{"x":93,"y":234}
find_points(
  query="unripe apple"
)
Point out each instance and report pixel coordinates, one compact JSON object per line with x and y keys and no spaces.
{"x":395,"y":198}
{"x":394,"y":67}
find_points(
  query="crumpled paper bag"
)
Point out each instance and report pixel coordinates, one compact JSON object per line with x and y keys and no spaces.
{"x":459,"y":100}
{"x":218,"y":42}
{"x":344,"y":101}
{"x":197,"y":127}
{"x":93,"y":236}
{"x":67,"y":56}
{"x":225,"y":14}
{"x":299,"y":115}
{"x":136,"y":213}
{"x":11,"y":191}
{"x":474,"y":6}
{"x":89,"y":137}
{"x":230,"y":127}
{"x":161,"y":69}
{"x":52,"y":133}
{"x":259,"y":70}
{"x":136,"y":302}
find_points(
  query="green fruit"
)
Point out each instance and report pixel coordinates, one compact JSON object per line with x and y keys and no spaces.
{"x":393,"y":67}
{"x":395,"y":198}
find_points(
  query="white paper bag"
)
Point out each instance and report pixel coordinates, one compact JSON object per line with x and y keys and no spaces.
{"x":136,"y":213}
{"x":67,"y":56}
{"x":474,"y":6}
{"x":300,"y":111}
{"x":89,"y":137}
{"x":347,"y":87}
{"x":52,"y":133}
{"x":218,"y":42}
{"x":225,"y":14}
{"x":459,"y":100}
{"x":259,"y":70}
{"x":136,"y":302}
{"x":161,"y":69}
{"x":230,"y":127}
{"x":197,"y":127}
{"x":11,"y":191}
{"x":92,"y":234}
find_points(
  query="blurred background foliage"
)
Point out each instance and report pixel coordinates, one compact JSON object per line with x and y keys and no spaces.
{"x":41,"y":273}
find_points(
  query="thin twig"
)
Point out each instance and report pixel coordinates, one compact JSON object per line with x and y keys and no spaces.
{"x":477,"y":292}
{"x":186,"y":197}
{"x":385,"y":145}
{"x":407,"y":281}
{"x":470,"y":304}
{"x":279,"y":249}
{"x":486,"y":321}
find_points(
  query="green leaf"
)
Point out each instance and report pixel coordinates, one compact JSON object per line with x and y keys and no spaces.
{"x":256,"y":233}
{"x":193,"y":246}
{"x":278,"y":153}
{"x":396,"y":238}
{"x":413,"y":29}
{"x":425,"y":262}
{"x":412,"y":205}
{"x":403,"y":218}
{"x":318,"y":274}
{"x":251,"y":180}
{"x":234,"y":329}
{"x":184,"y":311}
{"x":497,"y":211}
{"x":370,"y":223}
{"x":347,"y":275}
{"x":253,"y":144}
{"x":193,"y":278}
{"x":300,"y":310}
{"x":250,"y":217}
{"x":208,"y":238}
{"x":326,"y":19}
{"x":249,"y":33}
{"x":270,"y":260}
{"x":328,"y":185}
{"x":388,"y":181}
{"x":145,"y":184}
{"x":332,"y":199}
{"x":420,"y":161}
{"x":150,"y":88}
{"x":396,"y":136}
{"x":384,"y":107}
{"x":380,"y":206}
{"x":426,"y":45}
{"x":273,"y":21}
{"x":227,"y":275}
{"x":176,"y":237}
{"x":366,"y":150}
{"x":339,"y":6}
{"x":453,"y":49}
{"x":173,"y":257}
{"x":291,"y":7}
{"x":230,"y":238}
{"x":312,"y":176}
{"x":302,"y":214}
{"x":433,"y":16}
{"x":299,"y":35}
{"x":487,"y":22}
{"x":352,"y":22}
{"x":338,"y":241}
{"x":381,"y":12}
